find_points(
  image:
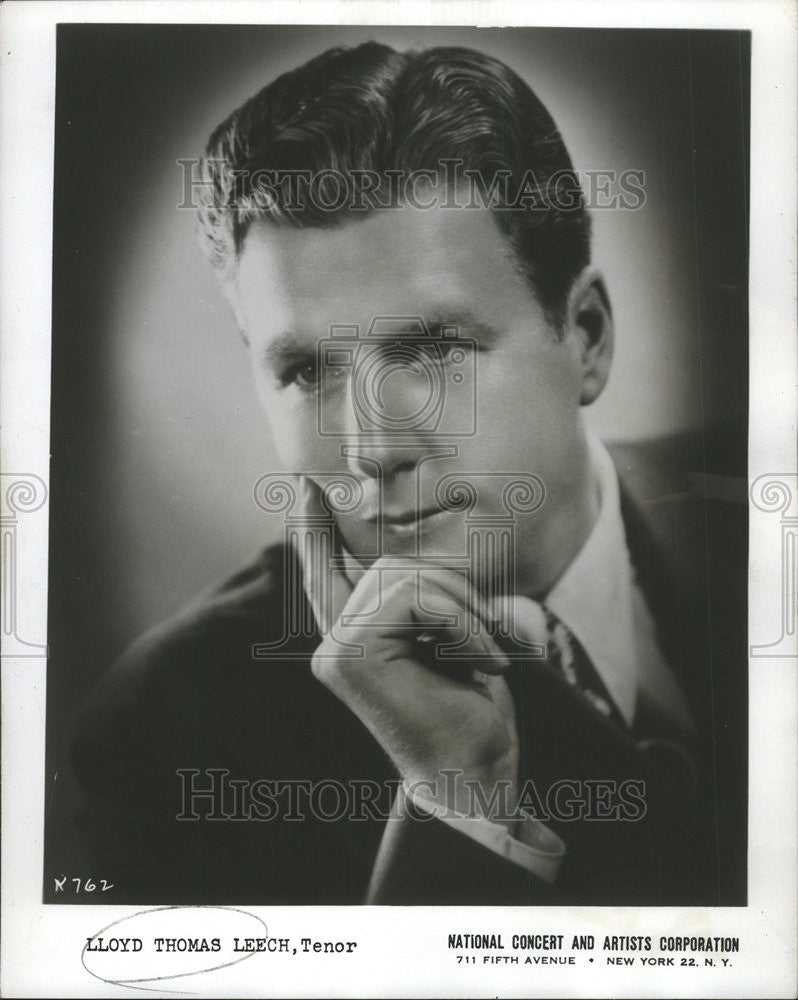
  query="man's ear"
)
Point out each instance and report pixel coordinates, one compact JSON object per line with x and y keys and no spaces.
{"x":590,"y":322}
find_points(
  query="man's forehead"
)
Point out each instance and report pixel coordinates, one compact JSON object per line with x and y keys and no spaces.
{"x":406,"y":243}
{"x":447,"y":267}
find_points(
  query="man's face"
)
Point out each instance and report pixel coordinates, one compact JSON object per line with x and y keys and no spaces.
{"x":481,"y":389}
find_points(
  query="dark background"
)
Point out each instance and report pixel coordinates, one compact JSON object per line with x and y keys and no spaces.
{"x":156,"y":438}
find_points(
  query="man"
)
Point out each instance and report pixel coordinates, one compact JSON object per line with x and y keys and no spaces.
{"x":520,"y":673}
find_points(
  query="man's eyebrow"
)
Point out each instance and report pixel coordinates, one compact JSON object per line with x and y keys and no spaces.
{"x":286,"y":347}
{"x":442,"y":321}
{"x":439,"y":322}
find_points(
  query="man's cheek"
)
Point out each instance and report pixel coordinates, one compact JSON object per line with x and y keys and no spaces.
{"x":295,"y":453}
{"x":299,"y":447}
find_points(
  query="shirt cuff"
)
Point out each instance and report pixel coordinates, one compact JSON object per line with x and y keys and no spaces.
{"x":536,"y":848}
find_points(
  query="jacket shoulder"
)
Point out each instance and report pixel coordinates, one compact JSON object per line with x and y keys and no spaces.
{"x":196,"y":675}
{"x":682,"y":485}
{"x":246,"y":608}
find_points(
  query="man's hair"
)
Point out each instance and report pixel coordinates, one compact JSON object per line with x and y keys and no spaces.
{"x":371,"y":111}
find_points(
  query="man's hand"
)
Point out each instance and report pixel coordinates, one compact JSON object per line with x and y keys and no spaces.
{"x":382,"y":654}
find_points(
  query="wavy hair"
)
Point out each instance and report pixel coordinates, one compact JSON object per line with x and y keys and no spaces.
{"x":369,"y":110}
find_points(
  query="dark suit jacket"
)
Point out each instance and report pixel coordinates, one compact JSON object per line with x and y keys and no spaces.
{"x":190,"y":697}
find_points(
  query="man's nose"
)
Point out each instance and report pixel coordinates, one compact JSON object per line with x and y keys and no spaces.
{"x":391,"y":410}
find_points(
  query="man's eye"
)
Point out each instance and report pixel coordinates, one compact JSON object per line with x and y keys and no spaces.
{"x":304,"y":374}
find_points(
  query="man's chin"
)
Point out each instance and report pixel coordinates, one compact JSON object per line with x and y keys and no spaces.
{"x":487,"y":567}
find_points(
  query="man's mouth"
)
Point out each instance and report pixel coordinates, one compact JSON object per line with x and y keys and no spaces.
{"x":405,"y":520}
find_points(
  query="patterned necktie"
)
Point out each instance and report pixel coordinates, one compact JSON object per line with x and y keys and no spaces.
{"x":536,"y":638}
{"x":669,"y":751}
{"x":567,"y":655}
{"x":532,"y":633}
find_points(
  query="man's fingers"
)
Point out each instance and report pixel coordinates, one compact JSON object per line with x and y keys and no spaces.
{"x":466,"y":640}
{"x":417,"y":614}
{"x":455,"y":584}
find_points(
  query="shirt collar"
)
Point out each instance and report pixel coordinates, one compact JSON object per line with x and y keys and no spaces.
{"x":593,"y":597}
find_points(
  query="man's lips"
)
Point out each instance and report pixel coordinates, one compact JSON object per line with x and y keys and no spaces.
{"x":402,"y":518}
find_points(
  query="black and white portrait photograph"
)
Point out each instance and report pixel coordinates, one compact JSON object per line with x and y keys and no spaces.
{"x":486,"y":657}
{"x":398,"y":501}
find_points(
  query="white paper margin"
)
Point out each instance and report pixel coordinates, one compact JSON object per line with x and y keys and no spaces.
{"x":400,"y":954}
